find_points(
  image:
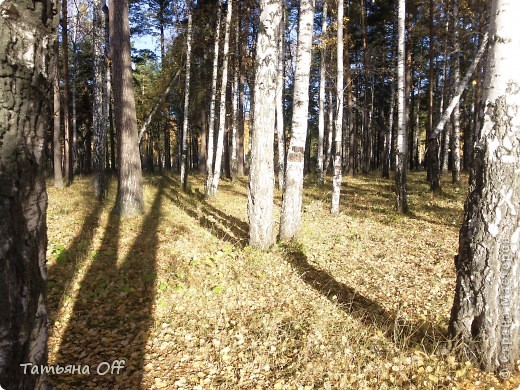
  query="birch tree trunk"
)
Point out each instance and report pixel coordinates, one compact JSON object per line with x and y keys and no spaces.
{"x":280,"y":123}
{"x":69,"y":159}
{"x":98,"y":110}
{"x":290,"y":221}
{"x":211,"y":125}
{"x":56,"y":140}
{"x":456,"y":110}
{"x":261,"y":171}
{"x":321,"y":113}
{"x":185,"y":122}
{"x":486,"y":308}
{"x":222,"y":103}
{"x":28,"y":31}
{"x":130,"y":181}
{"x":338,"y":136}
{"x":400,"y":174}
{"x":235,"y":96}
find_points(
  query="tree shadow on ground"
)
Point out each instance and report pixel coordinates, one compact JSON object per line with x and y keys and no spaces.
{"x":113,"y":311}
{"x":222,"y":225}
{"x":69,"y":260}
{"x":401,"y":331}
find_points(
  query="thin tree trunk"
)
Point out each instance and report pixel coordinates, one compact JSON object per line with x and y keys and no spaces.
{"x":130,"y":182}
{"x":185,"y":123}
{"x":388,"y":136}
{"x":290,"y":221}
{"x":235,"y":96}
{"x":69,"y":159}
{"x":56,"y":140}
{"x":338,"y":136}
{"x":75,"y":53}
{"x":99,"y":114}
{"x":211,"y":125}
{"x":261,"y":173}
{"x":456,"y":110}
{"x":400,"y":175}
{"x":321,"y":113}
{"x":26,"y":88}
{"x":280,"y":123}
{"x":431,"y":84}
{"x":486,"y":308}
{"x":330,"y":129}
{"x":222,"y":103}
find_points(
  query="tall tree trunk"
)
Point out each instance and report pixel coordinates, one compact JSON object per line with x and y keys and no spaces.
{"x":400,"y":174}
{"x":486,"y":308}
{"x":69,"y":159}
{"x":365,"y":138}
{"x":56,"y":140}
{"x":130,"y":181}
{"x":321,"y":113}
{"x":241,"y":99}
{"x":235,"y":96}
{"x":107,"y":89}
{"x":211,"y":125}
{"x":99,"y":114}
{"x":431,"y":85}
{"x":338,"y":129}
{"x":222,"y":115}
{"x":280,"y":123}
{"x":261,"y":173}
{"x":75,"y":53}
{"x":290,"y":221}
{"x":388,"y":135}
{"x":28,"y":33}
{"x":330,"y":129}
{"x":185,"y":122}
{"x":456,"y":111}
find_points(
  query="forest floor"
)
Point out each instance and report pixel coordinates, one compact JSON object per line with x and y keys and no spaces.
{"x":359,"y":301}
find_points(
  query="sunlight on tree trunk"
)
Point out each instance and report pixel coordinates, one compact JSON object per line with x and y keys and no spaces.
{"x":291,"y":214}
{"x":185,"y":123}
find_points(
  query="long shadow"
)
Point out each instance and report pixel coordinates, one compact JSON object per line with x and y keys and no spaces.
{"x":113,"y":311}
{"x":399,"y":330}
{"x":69,"y":260}
{"x":222,"y":225}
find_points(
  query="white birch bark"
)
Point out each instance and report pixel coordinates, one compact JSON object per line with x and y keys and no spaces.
{"x":486,"y":309}
{"x":222,"y":115}
{"x":280,"y":124}
{"x":261,"y":172}
{"x":456,"y":110}
{"x":400,"y":176}
{"x":290,"y":221}
{"x":185,"y":123}
{"x":338,"y":136}
{"x":321,"y":113}
{"x":211,"y":124}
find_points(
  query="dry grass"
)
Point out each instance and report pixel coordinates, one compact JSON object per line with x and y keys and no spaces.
{"x":360,"y":300}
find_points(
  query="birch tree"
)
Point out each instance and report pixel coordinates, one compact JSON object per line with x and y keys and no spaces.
{"x":27,"y":34}
{"x":222,"y":114}
{"x":69,"y":158}
{"x":338,"y":129}
{"x":280,"y":123}
{"x":130,"y":181}
{"x":56,"y":131}
{"x":184,"y":141}
{"x":456,"y":110}
{"x":211,"y":125}
{"x":321,"y":114}
{"x":486,"y":309}
{"x":290,"y":221}
{"x":261,"y":173}
{"x":400,"y":174}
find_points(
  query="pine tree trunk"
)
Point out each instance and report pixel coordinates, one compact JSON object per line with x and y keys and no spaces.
{"x":28,"y":32}
{"x":211,"y":125}
{"x":321,"y":113}
{"x":185,"y":123}
{"x":338,"y":136}
{"x":290,"y":221}
{"x":261,"y":172}
{"x":400,"y":174}
{"x":222,"y":115}
{"x":130,"y":181}
{"x":486,"y":308}
{"x":235,"y":96}
{"x":56,"y":140}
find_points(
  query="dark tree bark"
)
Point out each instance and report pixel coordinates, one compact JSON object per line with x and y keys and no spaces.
{"x":56,"y":139}
{"x":130,"y":182}
{"x":69,"y":158}
{"x":27,"y":34}
{"x":486,"y":308}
